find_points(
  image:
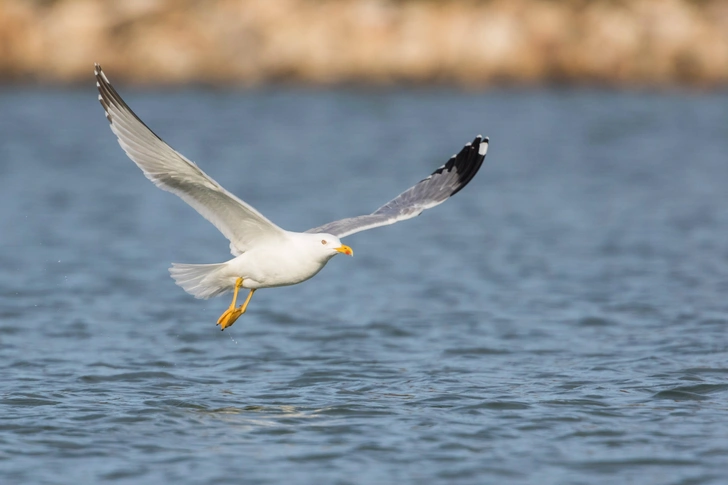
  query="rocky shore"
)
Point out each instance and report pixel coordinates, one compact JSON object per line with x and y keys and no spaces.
{"x":470,"y":43}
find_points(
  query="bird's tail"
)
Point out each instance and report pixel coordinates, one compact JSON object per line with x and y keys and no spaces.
{"x":200,"y":280}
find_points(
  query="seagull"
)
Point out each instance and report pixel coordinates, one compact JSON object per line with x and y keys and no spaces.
{"x":265,"y":255}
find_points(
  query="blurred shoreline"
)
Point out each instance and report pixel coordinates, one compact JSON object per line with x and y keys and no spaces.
{"x":320,"y":42}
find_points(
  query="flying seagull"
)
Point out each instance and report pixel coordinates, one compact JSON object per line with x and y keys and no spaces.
{"x":266,"y":255}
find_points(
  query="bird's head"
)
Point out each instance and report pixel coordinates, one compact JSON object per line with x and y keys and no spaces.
{"x":331,"y":245}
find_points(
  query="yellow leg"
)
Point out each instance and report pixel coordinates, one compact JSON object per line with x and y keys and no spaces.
{"x":232,"y":313}
{"x":244,"y":306}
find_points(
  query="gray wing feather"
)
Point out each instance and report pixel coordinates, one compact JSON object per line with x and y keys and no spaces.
{"x":442,"y":184}
{"x":239,"y":222}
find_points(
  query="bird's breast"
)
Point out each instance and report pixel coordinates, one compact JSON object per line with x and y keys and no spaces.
{"x":276,"y":266}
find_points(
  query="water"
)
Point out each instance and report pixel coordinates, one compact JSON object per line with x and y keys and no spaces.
{"x":562,"y":320}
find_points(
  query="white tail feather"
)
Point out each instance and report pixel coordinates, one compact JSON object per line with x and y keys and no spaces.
{"x":200,"y":280}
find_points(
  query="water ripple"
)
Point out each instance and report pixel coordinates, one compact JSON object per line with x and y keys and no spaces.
{"x":562,"y":320}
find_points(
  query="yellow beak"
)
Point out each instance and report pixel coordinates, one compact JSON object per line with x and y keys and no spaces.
{"x":345,"y":249}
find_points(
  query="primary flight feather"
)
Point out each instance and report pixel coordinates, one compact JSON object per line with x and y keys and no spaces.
{"x":266,"y":255}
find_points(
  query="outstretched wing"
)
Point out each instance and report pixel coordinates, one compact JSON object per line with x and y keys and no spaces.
{"x":444,"y":182}
{"x":240,"y":223}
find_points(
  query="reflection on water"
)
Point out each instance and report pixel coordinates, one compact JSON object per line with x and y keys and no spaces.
{"x":562,"y":319}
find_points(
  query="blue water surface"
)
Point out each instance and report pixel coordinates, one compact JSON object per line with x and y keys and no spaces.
{"x":562,"y":320}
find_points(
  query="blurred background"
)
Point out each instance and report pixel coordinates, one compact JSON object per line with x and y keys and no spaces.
{"x":465,"y":42}
{"x":561,"y":320}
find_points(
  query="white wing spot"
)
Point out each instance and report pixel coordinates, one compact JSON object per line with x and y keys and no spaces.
{"x":483,"y":148}
{"x":100,"y":98}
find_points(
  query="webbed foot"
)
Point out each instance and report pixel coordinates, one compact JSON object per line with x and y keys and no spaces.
{"x":232,"y":313}
{"x":229,"y":317}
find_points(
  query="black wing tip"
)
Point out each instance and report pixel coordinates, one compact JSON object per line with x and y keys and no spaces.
{"x":104,"y":87}
{"x":469,"y":160}
{"x":111,"y":101}
{"x":481,"y":142}
{"x":108,"y":97}
{"x":99,"y":74}
{"x":482,"y":145}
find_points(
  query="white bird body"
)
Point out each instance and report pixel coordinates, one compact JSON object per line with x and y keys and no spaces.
{"x":283,"y":264}
{"x":280,"y":262}
{"x":266,"y":255}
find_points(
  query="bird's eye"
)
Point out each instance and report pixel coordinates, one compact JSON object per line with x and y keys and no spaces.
{"x":323,"y":241}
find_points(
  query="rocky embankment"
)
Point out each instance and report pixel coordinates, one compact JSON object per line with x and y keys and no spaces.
{"x":473,"y":43}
